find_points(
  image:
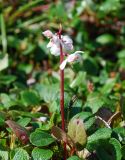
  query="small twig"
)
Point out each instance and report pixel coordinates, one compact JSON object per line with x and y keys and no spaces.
{"x":113,"y":117}
{"x":102,"y":120}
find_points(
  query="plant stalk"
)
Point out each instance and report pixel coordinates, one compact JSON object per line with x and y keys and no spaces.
{"x":62,"y":90}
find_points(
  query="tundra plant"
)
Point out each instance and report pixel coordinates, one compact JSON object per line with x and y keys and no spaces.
{"x":62,"y":45}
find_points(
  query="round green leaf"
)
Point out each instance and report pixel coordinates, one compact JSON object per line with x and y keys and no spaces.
{"x":21,"y":154}
{"x":30,"y":98}
{"x":48,"y":93}
{"x":40,"y":138}
{"x":41,"y":154}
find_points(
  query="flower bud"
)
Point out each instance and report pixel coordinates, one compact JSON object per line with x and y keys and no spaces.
{"x":48,"y":34}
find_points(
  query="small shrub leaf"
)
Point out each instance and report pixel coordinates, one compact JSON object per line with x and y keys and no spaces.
{"x":40,"y":138}
{"x":41,"y":154}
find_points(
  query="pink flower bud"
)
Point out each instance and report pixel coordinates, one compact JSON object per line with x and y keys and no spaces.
{"x":48,"y":34}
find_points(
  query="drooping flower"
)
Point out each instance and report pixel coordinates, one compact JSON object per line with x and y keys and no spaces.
{"x":54,"y":43}
{"x":75,"y":57}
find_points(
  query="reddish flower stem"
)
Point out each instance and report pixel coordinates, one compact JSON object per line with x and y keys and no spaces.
{"x":62,"y":90}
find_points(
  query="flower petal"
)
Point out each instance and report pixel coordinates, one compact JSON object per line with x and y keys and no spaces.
{"x":66,"y":39}
{"x":50,"y":44}
{"x":74,"y":57}
{"x":63,"y":64}
{"x":55,"y":50}
{"x":67,"y":43}
{"x":77,"y":52}
{"x":68,"y":46}
{"x":56,"y":40}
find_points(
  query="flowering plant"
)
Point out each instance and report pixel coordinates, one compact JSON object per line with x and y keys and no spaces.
{"x":59,"y":45}
{"x":67,"y":46}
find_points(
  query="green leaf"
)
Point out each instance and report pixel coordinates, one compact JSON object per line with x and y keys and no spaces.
{"x":109,"y":84}
{"x":87,"y":118}
{"x":6,"y":100}
{"x":27,"y":68}
{"x":98,"y":137}
{"x":21,"y":154}
{"x":7,"y":79}
{"x":1,"y":121}
{"x":73,"y":158}
{"x":40,"y":138}
{"x":23,"y":8}
{"x":122,"y":104}
{"x":107,"y":6}
{"x":101,"y":151}
{"x":4,"y":62}
{"x":123,"y":152}
{"x":90,"y":66}
{"x":95,"y":101}
{"x":3,"y":33}
{"x":116,"y":148}
{"x":2,"y":118}
{"x":54,"y":107}
{"x":80,"y":79}
{"x":24,"y":121}
{"x":29,"y":97}
{"x":48,"y":93}
{"x":76,"y":131}
{"x":120,"y":131}
{"x":41,"y":154}
{"x":4,"y":155}
{"x":105,"y":39}
{"x":121,"y":54}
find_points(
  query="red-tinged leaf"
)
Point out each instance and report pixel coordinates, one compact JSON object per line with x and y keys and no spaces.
{"x":19,"y":131}
{"x":61,"y":135}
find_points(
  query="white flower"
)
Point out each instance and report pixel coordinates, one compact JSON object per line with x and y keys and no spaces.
{"x":54,"y":44}
{"x":67,"y":43}
{"x":75,"y":57}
